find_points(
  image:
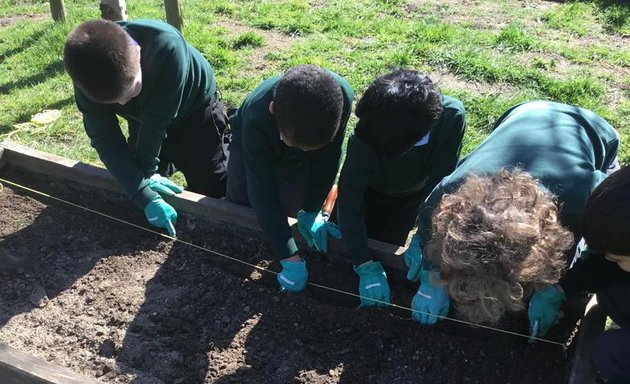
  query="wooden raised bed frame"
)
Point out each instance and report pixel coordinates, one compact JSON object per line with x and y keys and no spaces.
{"x":17,"y":367}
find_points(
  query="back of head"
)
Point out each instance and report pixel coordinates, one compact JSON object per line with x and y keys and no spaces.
{"x":497,"y":237}
{"x":606,"y":221}
{"x":308,"y":105}
{"x":101,"y":60}
{"x":397,"y":110}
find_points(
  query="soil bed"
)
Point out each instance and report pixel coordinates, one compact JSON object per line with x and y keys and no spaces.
{"x":127,"y":306}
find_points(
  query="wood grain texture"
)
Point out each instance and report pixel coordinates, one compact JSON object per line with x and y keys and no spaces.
{"x":19,"y":368}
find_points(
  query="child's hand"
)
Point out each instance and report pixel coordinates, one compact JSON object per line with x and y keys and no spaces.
{"x":160,"y":214}
{"x":373,"y":284}
{"x":413,"y":259}
{"x":429,"y":300}
{"x":544,"y":309}
{"x":293,"y":276}
{"x":315,"y":228}
{"x":164,"y":186}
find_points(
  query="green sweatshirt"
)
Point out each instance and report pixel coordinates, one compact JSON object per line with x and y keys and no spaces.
{"x":567,"y":148}
{"x":177,"y":81}
{"x":256,"y":134}
{"x":420,"y":169}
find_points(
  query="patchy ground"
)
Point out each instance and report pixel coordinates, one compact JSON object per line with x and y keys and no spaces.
{"x":114,"y":302}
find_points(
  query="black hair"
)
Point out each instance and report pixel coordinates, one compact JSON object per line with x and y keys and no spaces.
{"x":397,"y":110}
{"x":606,"y":221}
{"x":100,"y":59}
{"x":308,"y":105}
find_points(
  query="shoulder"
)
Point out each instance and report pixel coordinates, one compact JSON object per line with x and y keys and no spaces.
{"x":346,"y":88}
{"x":453,"y":106}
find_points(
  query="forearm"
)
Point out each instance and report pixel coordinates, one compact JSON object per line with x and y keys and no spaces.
{"x":265,"y":200}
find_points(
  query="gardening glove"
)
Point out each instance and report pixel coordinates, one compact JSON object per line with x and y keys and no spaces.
{"x":373,"y":284}
{"x":315,"y":228}
{"x":544,"y":309}
{"x":429,"y":300}
{"x":413,"y":258}
{"x":161,"y":215}
{"x":293,"y":275}
{"x":164,"y":186}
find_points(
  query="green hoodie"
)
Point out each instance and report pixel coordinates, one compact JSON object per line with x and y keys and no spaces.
{"x":177,"y":81}
{"x":255,"y":133}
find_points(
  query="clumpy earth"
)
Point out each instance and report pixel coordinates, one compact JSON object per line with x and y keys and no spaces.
{"x":114,"y":302}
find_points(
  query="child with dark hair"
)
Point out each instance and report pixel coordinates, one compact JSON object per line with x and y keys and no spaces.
{"x":145,"y":72}
{"x":498,"y":230}
{"x":605,"y":270}
{"x":284,"y":156}
{"x":407,"y":139}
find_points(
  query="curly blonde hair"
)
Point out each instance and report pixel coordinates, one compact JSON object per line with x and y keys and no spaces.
{"x":496,"y":238}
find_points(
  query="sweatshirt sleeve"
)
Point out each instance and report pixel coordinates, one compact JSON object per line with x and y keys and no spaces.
{"x":354,"y":179}
{"x":263,"y":191}
{"x":591,"y":275}
{"x":448,"y":146}
{"x":101,"y":125}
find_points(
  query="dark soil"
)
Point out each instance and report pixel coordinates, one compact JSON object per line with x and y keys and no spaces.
{"x":127,"y":306}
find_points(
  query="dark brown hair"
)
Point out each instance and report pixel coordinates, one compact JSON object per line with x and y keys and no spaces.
{"x":101,"y":60}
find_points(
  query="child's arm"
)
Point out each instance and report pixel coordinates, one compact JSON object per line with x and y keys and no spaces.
{"x":353,"y":181}
{"x":447,"y":148}
{"x":101,"y":125}
{"x":591,"y":275}
{"x":263,"y":191}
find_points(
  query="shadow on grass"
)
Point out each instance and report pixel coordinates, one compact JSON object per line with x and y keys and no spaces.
{"x":47,"y":72}
{"x":27,"y":43}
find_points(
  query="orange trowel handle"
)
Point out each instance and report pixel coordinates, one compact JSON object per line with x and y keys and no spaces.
{"x":331,"y":199}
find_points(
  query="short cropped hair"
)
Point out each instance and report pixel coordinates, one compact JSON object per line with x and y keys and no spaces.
{"x":605,"y":224}
{"x":397,"y":110}
{"x":308,"y":104}
{"x":101,"y":60}
{"x":497,"y":238}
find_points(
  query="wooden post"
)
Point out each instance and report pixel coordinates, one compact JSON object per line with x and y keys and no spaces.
{"x":113,"y":10}
{"x":174,"y":13}
{"x":58,"y":10}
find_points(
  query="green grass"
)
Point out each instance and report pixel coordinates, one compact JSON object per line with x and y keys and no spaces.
{"x":489,"y":54}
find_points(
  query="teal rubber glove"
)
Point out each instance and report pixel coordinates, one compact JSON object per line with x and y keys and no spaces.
{"x":315,"y":228}
{"x":373,"y":284}
{"x":413,"y":259}
{"x":544,"y":309}
{"x":164,"y":186}
{"x":429,"y":300}
{"x":161,"y":215}
{"x":293,"y":276}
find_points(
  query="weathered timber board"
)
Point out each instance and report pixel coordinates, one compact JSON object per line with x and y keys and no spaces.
{"x":35,"y":161}
{"x":19,"y":368}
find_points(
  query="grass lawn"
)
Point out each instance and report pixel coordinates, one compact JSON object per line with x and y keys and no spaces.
{"x":490,"y":54}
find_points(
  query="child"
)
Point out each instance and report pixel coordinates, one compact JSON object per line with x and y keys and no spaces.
{"x":145,"y":72}
{"x":407,"y":139}
{"x":284,"y":155}
{"x":495,"y":227}
{"x":606,"y":271}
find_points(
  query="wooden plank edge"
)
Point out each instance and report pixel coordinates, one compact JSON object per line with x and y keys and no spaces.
{"x":582,"y":370}
{"x":35,"y":161}
{"x":2,"y":160}
{"x":17,"y":367}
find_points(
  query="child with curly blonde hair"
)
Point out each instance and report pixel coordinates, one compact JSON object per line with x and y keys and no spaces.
{"x":498,"y":229}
